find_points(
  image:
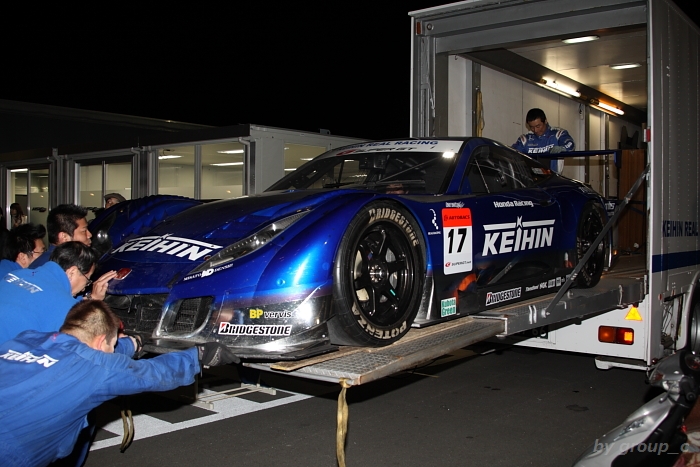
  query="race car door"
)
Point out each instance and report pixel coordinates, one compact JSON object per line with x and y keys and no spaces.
{"x":514,"y":229}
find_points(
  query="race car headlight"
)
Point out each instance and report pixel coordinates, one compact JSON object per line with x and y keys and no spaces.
{"x":251,"y":243}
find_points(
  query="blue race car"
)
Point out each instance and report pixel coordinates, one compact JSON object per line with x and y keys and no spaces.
{"x":353,"y":248}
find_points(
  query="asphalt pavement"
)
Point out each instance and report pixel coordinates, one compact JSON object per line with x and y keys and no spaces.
{"x":508,"y":407}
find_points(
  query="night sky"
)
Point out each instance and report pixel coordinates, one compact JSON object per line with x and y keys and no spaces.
{"x":342,"y":67}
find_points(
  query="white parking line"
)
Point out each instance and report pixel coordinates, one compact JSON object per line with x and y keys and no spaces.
{"x":146,"y":426}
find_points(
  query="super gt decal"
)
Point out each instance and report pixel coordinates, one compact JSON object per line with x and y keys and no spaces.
{"x":169,"y":245}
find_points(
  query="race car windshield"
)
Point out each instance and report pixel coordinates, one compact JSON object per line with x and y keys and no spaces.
{"x":391,"y":172}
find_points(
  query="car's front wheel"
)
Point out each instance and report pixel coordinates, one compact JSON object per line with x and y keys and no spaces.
{"x":378,"y":277}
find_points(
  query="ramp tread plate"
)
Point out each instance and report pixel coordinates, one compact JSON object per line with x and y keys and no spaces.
{"x":356,"y":365}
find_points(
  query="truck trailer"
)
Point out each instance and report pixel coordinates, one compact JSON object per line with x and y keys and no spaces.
{"x":604,"y":70}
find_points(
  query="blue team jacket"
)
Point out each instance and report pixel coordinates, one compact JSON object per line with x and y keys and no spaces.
{"x":8,"y":266}
{"x":50,"y":381}
{"x":37,"y":299}
{"x":531,"y":144}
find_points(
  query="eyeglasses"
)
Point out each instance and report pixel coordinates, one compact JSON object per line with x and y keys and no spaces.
{"x":33,"y":252}
{"x":89,"y":281}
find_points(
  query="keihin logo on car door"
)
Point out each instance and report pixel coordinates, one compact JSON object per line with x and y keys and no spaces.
{"x":517,"y":236}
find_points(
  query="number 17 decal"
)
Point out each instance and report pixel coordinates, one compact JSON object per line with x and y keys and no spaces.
{"x":457,"y":225}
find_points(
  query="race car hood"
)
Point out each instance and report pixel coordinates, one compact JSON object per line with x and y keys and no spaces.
{"x":186,"y":239}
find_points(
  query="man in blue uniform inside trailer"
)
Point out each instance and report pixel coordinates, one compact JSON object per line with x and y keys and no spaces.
{"x":50,"y":381}
{"x":543,"y":139}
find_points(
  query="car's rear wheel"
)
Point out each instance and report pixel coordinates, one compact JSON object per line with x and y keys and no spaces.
{"x":694,"y":325}
{"x":378,"y":277}
{"x":590,"y":225}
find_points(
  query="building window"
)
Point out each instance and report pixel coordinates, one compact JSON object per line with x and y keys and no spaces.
{"x":118,"y":176}
{"x":90,"y":195}
{"x":176,"y":171}
{"x":222,"y":170}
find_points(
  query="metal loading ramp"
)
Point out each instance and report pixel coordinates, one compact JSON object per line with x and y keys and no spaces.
{"x":359,"y":365}
{"x":352,"y":366}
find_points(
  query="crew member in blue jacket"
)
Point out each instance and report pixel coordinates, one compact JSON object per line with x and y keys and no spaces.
{"x":50,"y":381}
{"x":543,"y":139}
{"x":65,"y":223}
{"x":23,"y":245}
{"x":39,"y":299}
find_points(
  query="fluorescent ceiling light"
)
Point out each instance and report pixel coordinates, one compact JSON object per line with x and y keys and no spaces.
{"x":565,"y":89}
{"x":227,"y":163}
{"x":169,"y":156}
{"x":610,"y":108}
{"x":19,"y":170}
{"x":289,"y":170}
{"x":623,"y":66}
{"x":231,"y":151}
{"x":306,"y":158}
{"x":576,"y":40}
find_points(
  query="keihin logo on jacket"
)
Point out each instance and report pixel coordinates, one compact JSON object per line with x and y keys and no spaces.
{"x":517,"y":236}
{"x":177,"y":246}
{"x":28,"y":286}
{"x":28,"y":357}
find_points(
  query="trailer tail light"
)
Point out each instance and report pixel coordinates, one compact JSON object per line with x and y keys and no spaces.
{"x":614,"y":335}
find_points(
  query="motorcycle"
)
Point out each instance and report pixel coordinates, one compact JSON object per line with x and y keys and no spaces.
{"x":654,"y":434}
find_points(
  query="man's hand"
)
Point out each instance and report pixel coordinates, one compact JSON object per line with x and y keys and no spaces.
{"x":557,"y":149}
{"x":99,"y":287}
{"x":215,"y":354}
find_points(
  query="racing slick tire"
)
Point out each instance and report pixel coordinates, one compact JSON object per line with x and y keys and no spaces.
{"x":590,"y":225}
{"x":378,"y":277}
